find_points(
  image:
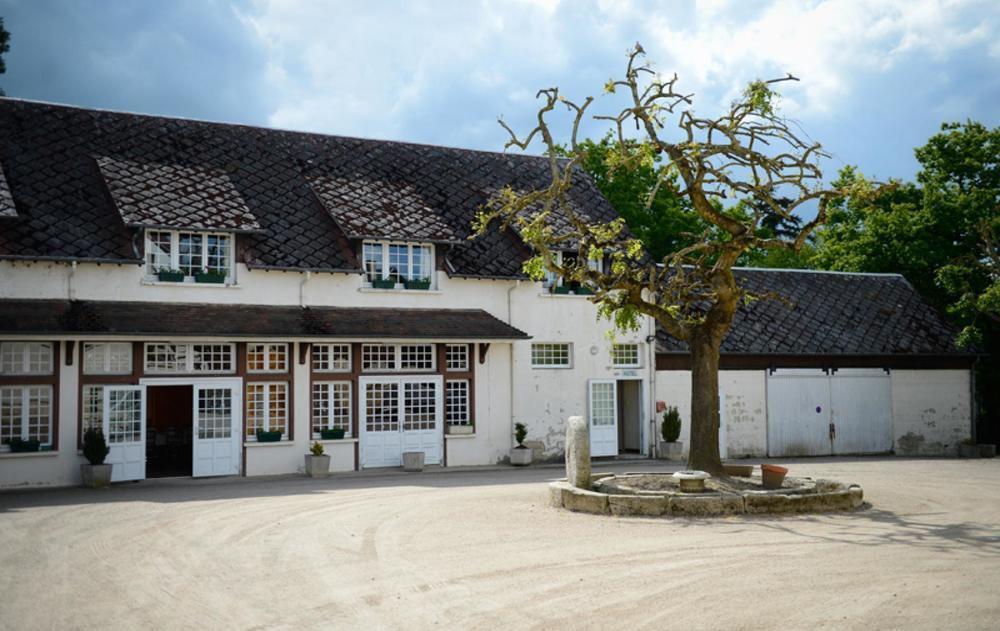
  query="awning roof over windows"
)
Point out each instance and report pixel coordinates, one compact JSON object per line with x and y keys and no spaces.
{"x":175,"y":320}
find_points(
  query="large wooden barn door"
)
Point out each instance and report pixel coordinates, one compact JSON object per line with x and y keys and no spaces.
{"x":861,"y":400}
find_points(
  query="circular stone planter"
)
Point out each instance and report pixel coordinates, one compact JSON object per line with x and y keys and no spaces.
{"x":660,"y":495}
{"x":691,"y":481}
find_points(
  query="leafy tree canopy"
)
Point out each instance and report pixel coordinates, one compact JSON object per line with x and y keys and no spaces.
{"x":4,"y":47}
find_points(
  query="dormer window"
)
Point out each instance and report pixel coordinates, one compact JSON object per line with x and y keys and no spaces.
{"x":397,"y":265}
{"x":185,"y":256}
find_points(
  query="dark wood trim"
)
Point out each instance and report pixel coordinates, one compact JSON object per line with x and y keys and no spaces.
{"x":43,"y":380}
{"x":84,"y":380}
{"x":678,"y":361}
{"x":70,"y":345}
{"x":303,"y":352}
{"x":483,"y":348}
{"x":287,"y":377}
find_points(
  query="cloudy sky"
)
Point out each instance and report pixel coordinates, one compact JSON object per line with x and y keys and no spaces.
{"x":878,"y":78}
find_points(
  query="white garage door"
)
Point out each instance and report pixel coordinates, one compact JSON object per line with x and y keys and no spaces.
{"x":400,"y":414}
{"x":813,"y":412}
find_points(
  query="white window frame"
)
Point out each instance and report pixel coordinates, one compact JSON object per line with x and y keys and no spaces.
{"x":189,"y":359}
{"x":326,"y":423}
{"x":550,"y":279}
{"x":175,"y":253}
{"x":268,"y":350}
{"x":448,"y":409}
{"x":91,"y":408}
{"x":464,"y":366}
{"x":285,"y":436}
{"x":317,"y":364}
{"x":615,"y":358}
{"x":408,"y":275}
{"x":22,"y":427}
{"x":26,"y":358}
{"x":398,"y":359}
{"x":569,"y":356}
{"x":107,"y":349}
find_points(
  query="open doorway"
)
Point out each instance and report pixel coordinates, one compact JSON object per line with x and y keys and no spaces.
{"x":169,"y":431}
{"x":629,"y":416}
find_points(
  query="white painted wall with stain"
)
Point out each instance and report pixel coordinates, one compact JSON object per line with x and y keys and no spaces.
{"x":931,"y":410}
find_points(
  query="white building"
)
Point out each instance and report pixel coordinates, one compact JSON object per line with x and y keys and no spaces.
{"x":198,"y":288}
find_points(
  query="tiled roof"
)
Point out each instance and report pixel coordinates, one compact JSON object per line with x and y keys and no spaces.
{"x":48,"y":154}
{"x":831,"y":313}
{"x":6,"y":201}
{"x":34,"y":317}
{"x":173,"y":196}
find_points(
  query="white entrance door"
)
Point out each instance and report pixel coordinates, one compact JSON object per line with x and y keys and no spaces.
{"x":861,"y":403}
{"x":603,"y":398}
{"x":125,"y":427}
{"x":400,"y":414}
{"x":798,"y":412}
{"x":216,"y":449}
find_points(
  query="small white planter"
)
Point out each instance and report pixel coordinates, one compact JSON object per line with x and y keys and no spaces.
{"x":96,"y":476}
{"x":671,"y":451}
{"x":520,"y":456}
{"x":413,"y":461}
{"x":317,"y":466}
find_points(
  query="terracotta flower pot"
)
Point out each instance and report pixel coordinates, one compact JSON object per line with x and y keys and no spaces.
{"x":772,"y":475}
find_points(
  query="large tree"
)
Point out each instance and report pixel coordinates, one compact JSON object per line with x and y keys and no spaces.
{"x":4,"y":47}
{"x":748,"y":153}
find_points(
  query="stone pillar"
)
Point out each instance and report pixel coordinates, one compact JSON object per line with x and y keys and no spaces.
{"x":578,"y":452}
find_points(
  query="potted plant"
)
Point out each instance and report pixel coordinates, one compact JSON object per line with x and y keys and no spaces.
{"x":333,"y":433}
{"x":269,"y":436}
{"x":217,"y":276}
{"x":670,"y":431}
{"x":96,"y":475}
{"x":317,"y":463}
{"x":968,"y":449}
{"x":167,"y":275}
{"x":520,"y":456}
{"x":418,"y":283}
{"x":772,"y":475}
{"x":384,"y":283}
{"x":20,"y":445}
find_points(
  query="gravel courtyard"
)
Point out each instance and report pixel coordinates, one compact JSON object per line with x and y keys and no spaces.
{"x":481,"y":549}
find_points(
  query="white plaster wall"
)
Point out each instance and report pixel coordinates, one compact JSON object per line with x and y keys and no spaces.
{"x":931,"y":411}
{"x":745,"y":407}
{"x":492,"y":438}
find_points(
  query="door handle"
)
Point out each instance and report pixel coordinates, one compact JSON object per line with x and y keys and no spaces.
{"x":833,"y":431}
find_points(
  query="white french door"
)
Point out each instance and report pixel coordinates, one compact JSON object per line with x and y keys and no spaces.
{"x":603,"y":405}
{"x":217,"y":433}
{"x":400,"y":414}
{"x":124,"y":421}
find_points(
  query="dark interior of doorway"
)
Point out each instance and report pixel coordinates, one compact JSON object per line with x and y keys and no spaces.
{"x":169,"y":431}
{"x":629,"y":416}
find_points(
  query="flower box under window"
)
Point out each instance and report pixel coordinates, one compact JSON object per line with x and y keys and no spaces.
{"x":561,"y":289}
{"x":335,"y":433}
{"x":418,"y":284}
{"x":264,"y":436}
{"x":19,"y":445}
{"x":384,"y":283}
{"x":170,"y":276}
{"x":210,"y":277}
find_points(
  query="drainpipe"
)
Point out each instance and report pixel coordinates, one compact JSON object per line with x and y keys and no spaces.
{"x":302,"y":285}
{"x":651,"y":351}
{"x":510,"y":322}
{"x":69,"y":281}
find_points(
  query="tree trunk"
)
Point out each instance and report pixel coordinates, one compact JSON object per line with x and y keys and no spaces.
{"x":703,"y":454}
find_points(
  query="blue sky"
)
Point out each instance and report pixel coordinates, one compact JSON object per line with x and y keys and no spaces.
{"x":877,"y":78}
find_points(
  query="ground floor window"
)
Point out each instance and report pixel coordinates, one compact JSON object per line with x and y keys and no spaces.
{"x":457,"y":402}
{"x":26,"y":414}
{"x":92,"y":415}
{"x":331,"y":406}
{"x":267,"y":408}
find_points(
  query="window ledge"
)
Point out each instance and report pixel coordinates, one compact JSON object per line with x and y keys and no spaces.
{"x":280,"y":443}
{"x":408,"y":292}
{"x":473,"y":435}
{"x":27,"y":454}
{"x":155,"y":283}
{"x":338,"y":441}
{"x":546,"y":294}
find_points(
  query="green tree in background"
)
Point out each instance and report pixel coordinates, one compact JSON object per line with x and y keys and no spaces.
{"x":4,"y":47}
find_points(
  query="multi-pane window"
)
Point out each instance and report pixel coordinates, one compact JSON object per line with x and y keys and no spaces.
{"x":26,"y":413}
{"x":331,"y":357}
{"x":25,"y":358}
{"x":378,"y":357}
{"x":457,"y":357}
{"x":107,"y":358}
{"x":184,"y":358}
{"x":413,"y":357}
{"x":416,"y":357}
{"x":625,"y":355}
{"x":215,"y":413}
{"x":331,"y":406}
{"x":457,"y":402}
{"x":547,"y":355}
{"x":188,"y":252}
{"x":267,"y":357}
{"x":124,"y":416}
{"x":267,"y":408}
{"x":93,"y":408}
{"x":381,"y":407}
{"x":397,"y":262}
{"x":419,"y":405}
